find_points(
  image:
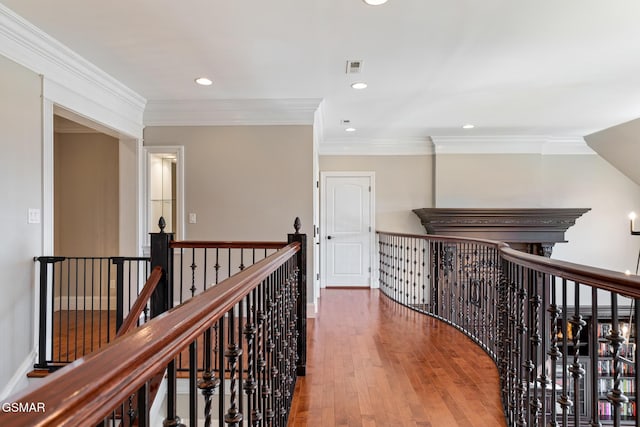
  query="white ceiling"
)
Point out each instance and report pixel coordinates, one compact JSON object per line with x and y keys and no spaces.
{"x":560,"y":68}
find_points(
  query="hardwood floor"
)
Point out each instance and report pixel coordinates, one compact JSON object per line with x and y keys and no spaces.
{"x":77,"y":333}
{"x":372,"y":362}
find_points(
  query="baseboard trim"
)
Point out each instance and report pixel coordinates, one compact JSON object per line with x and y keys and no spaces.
{"x":156,"y":415}
{"x":20,"y":375}
{"x":312,"y":310}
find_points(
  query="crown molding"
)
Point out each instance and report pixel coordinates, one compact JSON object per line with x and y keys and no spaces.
{"x":74,"y":82}
{"x":377,"y":147}
{"x":231,"y":112}
{"x":516,"y":144}
{"x":318,"y":123}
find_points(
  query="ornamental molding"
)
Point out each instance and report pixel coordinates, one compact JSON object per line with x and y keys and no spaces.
{"x":70,"y":80}
{"x":514,"y":144}
{"x":377,"y":147}
{"x":511,"y":225}
{"x":231,"y":112}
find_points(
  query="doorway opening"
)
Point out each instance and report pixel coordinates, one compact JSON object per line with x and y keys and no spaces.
{"x":86,"y":190}
{"x":164,"y":189}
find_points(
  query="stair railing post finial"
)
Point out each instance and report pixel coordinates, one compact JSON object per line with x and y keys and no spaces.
{"x":301,"y":310}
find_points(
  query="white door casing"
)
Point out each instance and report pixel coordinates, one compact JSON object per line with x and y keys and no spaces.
{"x":347,"y":230}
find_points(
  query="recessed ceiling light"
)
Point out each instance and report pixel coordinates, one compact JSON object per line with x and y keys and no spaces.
{"x":359,"y":85}
{"x":350,"y":129}
{"x":468,"y":126}
{"x":203,"y":81}
{"x":375,"y":2}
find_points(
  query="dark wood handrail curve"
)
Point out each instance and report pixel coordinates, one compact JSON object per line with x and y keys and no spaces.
{"x":202,"y":244}
{"x":84,"y":392}
{"x":600,"y":278}
{"x":140,"y":303}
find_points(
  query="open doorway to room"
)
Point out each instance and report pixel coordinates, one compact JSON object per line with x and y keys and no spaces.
{"x":164,"y":189}
{"x":86,"y":191}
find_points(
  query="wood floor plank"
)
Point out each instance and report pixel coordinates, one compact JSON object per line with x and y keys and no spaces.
{"x":372,"y":362}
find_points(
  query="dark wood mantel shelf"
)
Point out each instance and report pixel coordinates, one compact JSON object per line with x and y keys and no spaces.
{"x":531,"y":230}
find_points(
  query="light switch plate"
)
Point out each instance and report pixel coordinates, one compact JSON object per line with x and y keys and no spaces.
{"x":192,"y":218}
{"x":34,"y":216}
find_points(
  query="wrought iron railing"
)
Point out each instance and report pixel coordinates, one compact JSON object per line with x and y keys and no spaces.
{"x":563,"y":336}
{"x":248,"y":330}
{"x":83,"y":301}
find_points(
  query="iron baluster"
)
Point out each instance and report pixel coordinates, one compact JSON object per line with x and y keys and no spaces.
{"x":593,"y":348}
{"x":143,"y":405}
{"x":250,"y":384}
{"x":616,"y":396}
{"x":565,"y":401}
{"x":554,"y":352}
{"x":209,"y":382}
{"x":172,"y":419}
{"x":260,"y":359}
{"x":204,"y":273}
{"x":523,"y":380}
{"x":535,"y":302}
{"x":217,"y":266}
{"x":193,"y":267}
{"x":193,"y":383}
{"x":130,"y":411}
{"x":233,"y":416}
{"x":69,"y":311}
{"x":240,"y":343}
{"x":269,"y":346}
{"x":221,"y":367}
{"x":576,"y":369}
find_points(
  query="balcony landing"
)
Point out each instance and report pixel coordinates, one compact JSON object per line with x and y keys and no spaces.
{"x":372,"y":362}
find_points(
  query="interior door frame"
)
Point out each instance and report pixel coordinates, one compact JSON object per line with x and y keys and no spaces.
{"x":323,"y":222}
{"x":149,"y":223}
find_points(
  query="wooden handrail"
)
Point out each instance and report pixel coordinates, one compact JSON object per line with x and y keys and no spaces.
{"x":84,"y":392}
{"x":597,"y":277}
{"x":202,"y":244}
{"x":140,"y":303}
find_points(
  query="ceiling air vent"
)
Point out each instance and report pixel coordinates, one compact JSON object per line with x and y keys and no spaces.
{"x":354,"y":66}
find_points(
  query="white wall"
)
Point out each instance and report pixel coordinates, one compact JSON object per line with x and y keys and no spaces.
{"x":600,"y":237}
{"x":245,"y":182}
{"x":20,"y":189}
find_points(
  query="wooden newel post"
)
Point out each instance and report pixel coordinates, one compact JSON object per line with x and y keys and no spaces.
{"x":162,"y":298}
{"x":161,"y":301}
{"x":301,"y":310}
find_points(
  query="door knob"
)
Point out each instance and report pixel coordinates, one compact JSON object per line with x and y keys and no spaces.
{"x":329,"y":237}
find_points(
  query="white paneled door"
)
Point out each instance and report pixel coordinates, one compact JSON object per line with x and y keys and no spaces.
{"x":348,"y":229}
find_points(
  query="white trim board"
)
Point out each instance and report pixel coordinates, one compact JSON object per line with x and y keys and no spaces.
{"x":312,"y":310}
{"x":376,"y":147}
{"x":178,"y":150}
{"x":231,"y":112}
{"x":20,"y":376}
{"x":517,"y":144}
{"x":71,"y":80}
